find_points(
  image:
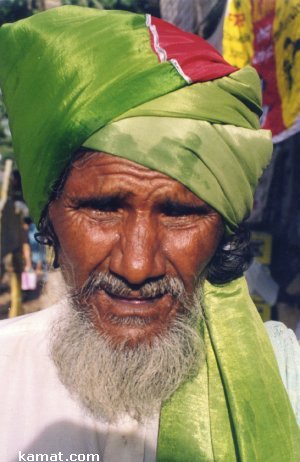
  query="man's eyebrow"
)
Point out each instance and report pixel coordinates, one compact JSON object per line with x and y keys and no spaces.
{"x":99,"y":200}
{"x":173,"y":206}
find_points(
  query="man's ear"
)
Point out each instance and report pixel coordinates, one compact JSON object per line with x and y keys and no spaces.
{"x":47,"y":236}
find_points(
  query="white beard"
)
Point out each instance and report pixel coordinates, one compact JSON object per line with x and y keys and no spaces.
{"x":110,"y":380}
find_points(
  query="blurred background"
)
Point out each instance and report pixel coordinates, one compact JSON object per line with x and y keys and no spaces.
{"x":263,"y":33}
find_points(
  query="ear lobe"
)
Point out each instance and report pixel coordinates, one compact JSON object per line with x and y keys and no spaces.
{"x":46,"y":234}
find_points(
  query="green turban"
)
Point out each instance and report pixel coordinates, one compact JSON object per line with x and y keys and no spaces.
{"x":139,"y":88}
{"x":108,"y":80}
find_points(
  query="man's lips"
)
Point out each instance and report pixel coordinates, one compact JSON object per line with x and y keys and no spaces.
{"x":134,"y":299}
{"x":131,"y":305}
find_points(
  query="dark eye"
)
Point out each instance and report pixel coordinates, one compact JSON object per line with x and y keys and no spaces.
{"x":101,"y":205}
{"x":183,"y":210}
{"x":178,"y":213}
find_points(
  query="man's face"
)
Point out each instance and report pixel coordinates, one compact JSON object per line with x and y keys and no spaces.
{"x":138,"y":225}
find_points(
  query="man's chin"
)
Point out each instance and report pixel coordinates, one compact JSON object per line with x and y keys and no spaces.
{"x":131,"y":331}
{"x":136,"y":379}
{"x":128,"y":320}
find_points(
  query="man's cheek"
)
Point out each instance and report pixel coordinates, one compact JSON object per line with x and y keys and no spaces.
{"x":78,"y":258}
{"x":190,"y":261}
{"x":74,"y":264}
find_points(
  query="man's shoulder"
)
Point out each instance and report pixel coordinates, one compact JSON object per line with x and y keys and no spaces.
{"x":287,"y":351}
{"x":281,"y":335}
{"x":29,"y":323}
{"x":285,"y":345}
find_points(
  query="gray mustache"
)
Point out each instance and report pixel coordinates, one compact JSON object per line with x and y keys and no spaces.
{"x":116,"y":286}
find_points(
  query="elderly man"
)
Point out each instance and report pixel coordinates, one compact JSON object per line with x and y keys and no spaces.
{"x":139,"y":149}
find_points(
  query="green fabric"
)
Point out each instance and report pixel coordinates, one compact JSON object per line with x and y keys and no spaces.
{"x":233,"y":100}
{"x":93,"y":67}
{"x":236,"y":409}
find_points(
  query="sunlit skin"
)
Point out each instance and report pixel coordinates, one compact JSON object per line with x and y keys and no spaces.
{"x":138,"y":224}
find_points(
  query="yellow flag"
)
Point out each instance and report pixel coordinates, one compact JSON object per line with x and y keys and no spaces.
{"x":266,"y":34}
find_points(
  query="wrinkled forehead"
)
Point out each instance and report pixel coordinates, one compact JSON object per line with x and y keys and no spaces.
{"x":93,"y":173}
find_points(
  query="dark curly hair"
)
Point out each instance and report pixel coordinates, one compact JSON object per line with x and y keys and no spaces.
{"x":232,"y":258}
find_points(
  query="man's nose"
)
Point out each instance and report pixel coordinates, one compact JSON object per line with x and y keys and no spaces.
{"x":138,"y":255}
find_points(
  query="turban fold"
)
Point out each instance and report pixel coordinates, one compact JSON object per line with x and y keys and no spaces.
{"x":139,"y":88}
{"x":108,"y":81}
